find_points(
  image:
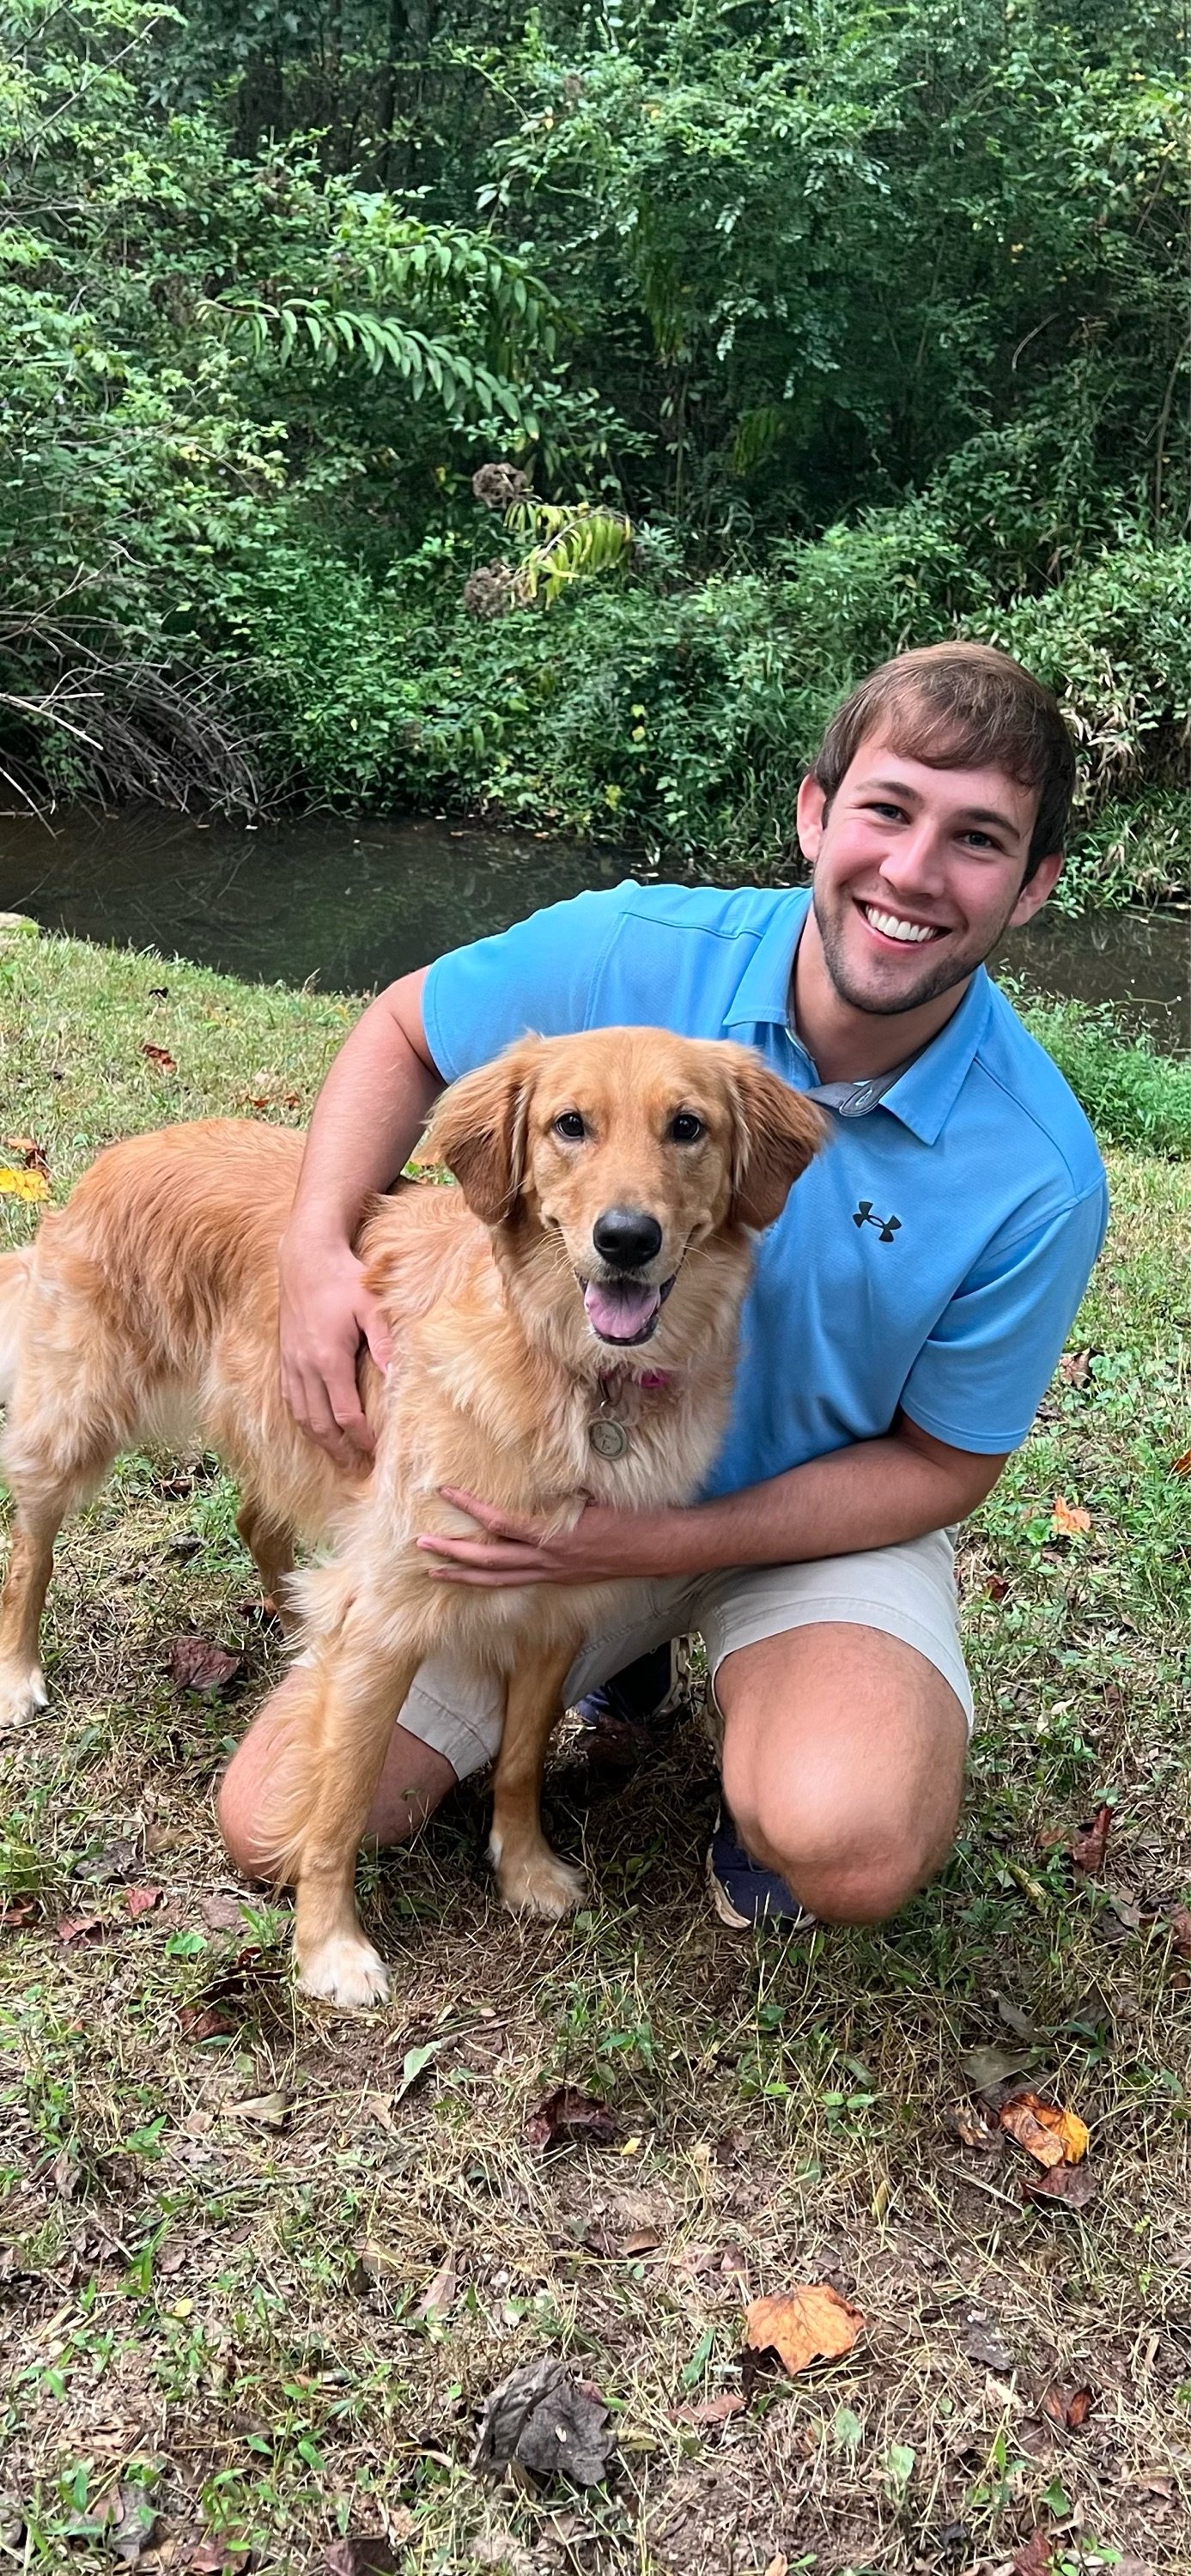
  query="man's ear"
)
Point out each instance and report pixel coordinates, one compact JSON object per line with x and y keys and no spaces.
{"x":811,"y":816}
{"x":776,"y":1133}
{"x":1041,"y":885}
{"x":479,"y":1130}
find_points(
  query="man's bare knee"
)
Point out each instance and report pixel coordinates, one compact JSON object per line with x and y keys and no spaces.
{"x":846,"y":1860}
{"x":414,"y":1781}
{"x":238,"y":1823}
{"x":854,"y":1823}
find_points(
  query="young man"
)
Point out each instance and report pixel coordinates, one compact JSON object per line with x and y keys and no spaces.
{"x":907,"y":1310}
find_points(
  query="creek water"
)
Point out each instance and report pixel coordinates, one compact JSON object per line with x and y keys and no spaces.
{"x":352,"y":904}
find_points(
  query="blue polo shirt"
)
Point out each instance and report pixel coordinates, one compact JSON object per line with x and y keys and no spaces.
{"x":932,"y":1258}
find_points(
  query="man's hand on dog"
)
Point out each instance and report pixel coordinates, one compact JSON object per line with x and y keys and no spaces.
{"x":326,"y":1313}
{"x":603,"y":1547}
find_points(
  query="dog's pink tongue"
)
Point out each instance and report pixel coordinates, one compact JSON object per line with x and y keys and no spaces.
{"x":620,"y":1309}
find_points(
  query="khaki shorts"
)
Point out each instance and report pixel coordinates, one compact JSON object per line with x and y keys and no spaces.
{"x":907,"y":1592}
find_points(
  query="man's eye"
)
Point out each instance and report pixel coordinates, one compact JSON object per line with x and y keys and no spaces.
{"x":570,"y":1125}
{"x":685,"y":1128}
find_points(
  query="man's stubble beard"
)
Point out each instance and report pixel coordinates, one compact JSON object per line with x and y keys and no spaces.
{"x":948,"y":972}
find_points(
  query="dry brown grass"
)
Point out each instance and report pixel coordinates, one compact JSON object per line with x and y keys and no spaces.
{"x":232,"y":2311}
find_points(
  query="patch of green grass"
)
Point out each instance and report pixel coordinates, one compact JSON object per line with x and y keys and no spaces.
{"x":231,"y":2316}
{"x":1133,"y":1095}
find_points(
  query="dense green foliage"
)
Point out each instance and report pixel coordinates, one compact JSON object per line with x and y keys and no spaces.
{"x":870,"y":321}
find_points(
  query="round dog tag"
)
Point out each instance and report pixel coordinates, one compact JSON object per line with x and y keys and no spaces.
{"x":608,"y":1437}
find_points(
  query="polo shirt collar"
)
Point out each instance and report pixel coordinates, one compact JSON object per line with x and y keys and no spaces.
{"x":763,"y":993}
{"x":929,"y":1088}
{"x":926,"y":1093}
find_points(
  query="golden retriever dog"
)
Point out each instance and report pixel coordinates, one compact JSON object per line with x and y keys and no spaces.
{"x":565,"y":1328}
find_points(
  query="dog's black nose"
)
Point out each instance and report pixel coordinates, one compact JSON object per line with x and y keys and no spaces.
{"x":626,"y":1237}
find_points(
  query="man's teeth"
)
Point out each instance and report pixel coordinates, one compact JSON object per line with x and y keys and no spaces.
{"x":912,"y":932}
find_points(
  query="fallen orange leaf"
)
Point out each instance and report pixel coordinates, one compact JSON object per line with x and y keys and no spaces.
{"x":161,"y":1056}
{"x":1068,"y":1520}
{"x":1182,"y":1466}
{"x":1021,"y":2120}
{"x":1051,"y":2136}
{"x":808,"y":2325}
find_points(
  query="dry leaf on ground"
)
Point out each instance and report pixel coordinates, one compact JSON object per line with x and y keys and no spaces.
{"x":27,"y":1151}
{"x":159,"y":1056}
{"x":372,"y":2557}
{"x":1022,"y":2024}
{"x":80,"y":1927}
{"x":568,"y":2118}
{"x":129,"y":2522}
{"x":813,"y":2324}
{"x":985,"y":2068}
{"x":1076,"y":1367}
{"x":141,"y":1900}
{"x":1181,"y":1466}
{"x":264,"y":2110}
{"x":981,"y":2342}
{"x":1088,"y":1842}
{"x":19,"y":1913}
{"x":207,"y":2021}
{"x":197,"y":1664}
{"x":974,"y":2126}
{"x":548,"y":2422}
{"x":1073,"y":2185}
{"x":1034,"y":2557}
{"x":1068,"y":2407}
{"x":117,"y":1860}
{"x":223,"y":1913}
{"x":1068,"y":1520}
{"x":438,"y":2298}
{"x":714,"y":2410}
{"x":1052,"y":2136}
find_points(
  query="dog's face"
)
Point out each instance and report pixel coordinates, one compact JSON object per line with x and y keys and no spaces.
{"x":628,"y":1148}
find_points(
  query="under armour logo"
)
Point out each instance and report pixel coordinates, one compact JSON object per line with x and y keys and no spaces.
{"x":887,"y":1226}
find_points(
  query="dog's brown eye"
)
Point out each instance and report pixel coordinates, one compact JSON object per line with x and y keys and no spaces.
{"x":570,"y":1126}
{"x":686,"y":1129}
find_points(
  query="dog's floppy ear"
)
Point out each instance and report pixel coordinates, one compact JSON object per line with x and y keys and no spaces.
{"x":479,"y":1127}
{"x":776,"y":1134}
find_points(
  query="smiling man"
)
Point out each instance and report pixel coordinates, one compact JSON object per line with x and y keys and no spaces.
{"x":906,"y":1313}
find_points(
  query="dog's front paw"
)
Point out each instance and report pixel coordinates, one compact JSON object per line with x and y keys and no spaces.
{"x":538,"y":1882}
{"x":346,"y":1972}
{"x":22,"y":1696}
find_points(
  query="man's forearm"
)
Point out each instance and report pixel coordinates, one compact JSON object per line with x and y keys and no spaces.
{"x":874,"y":1494}
{"x":368,"y":1118}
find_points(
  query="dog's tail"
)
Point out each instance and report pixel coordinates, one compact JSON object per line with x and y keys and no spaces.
{"x":14,"y":1280}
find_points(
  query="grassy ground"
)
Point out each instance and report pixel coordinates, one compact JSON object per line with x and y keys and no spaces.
{"x":279,"y":2327}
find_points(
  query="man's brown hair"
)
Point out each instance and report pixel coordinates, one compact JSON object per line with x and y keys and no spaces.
{"x":962,"y":706}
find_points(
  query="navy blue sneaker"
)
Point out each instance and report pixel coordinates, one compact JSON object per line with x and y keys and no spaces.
{"x":637,"y":1706}
{"x":742,"y":1892}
